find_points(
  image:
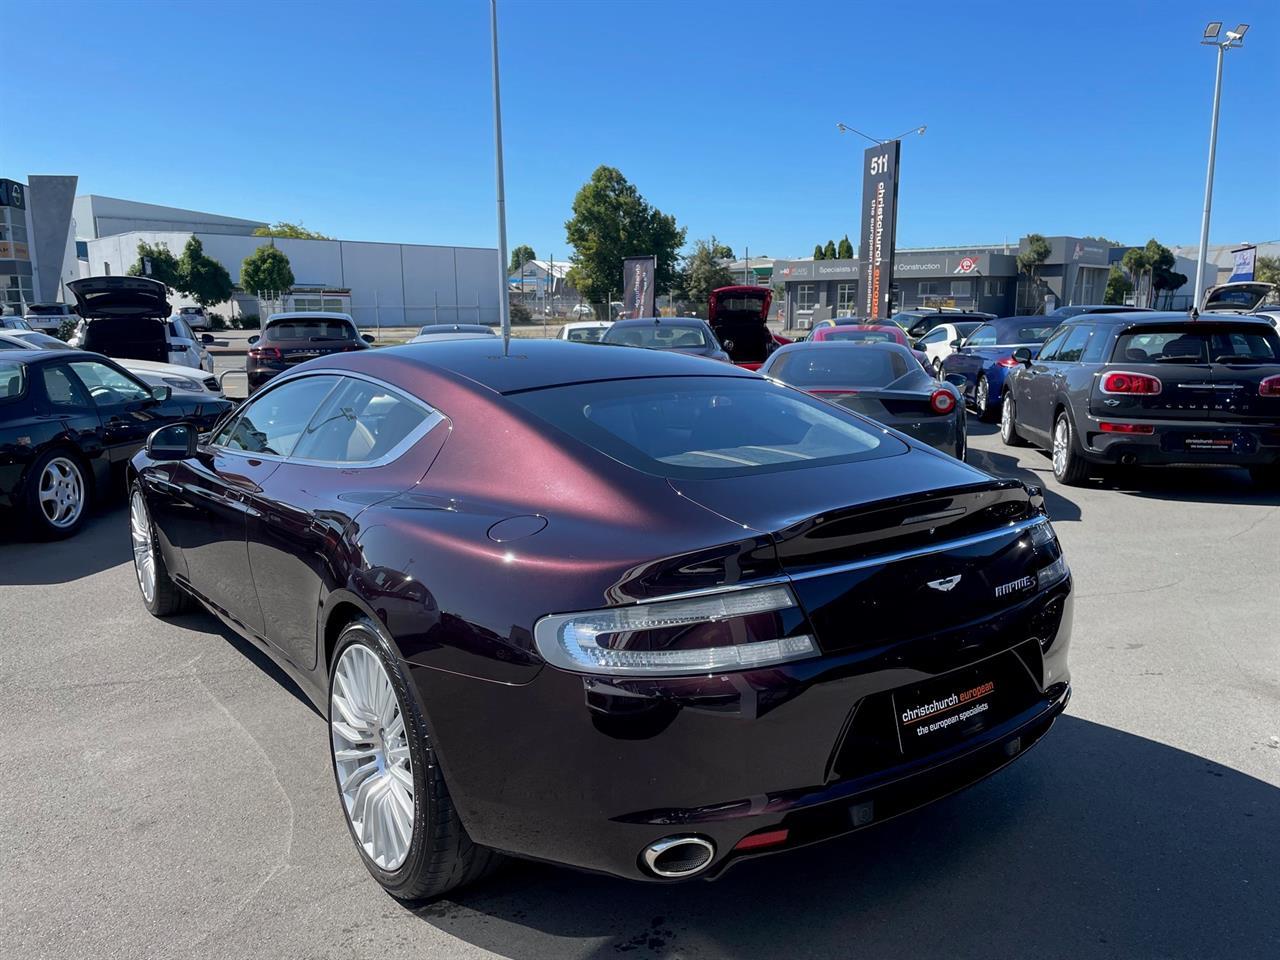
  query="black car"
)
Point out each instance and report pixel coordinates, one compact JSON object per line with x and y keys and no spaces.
{"x":1150,"y":388}
{"x":919,"y":322}
{"x":715,"y":618}
{"x":883,"y":381}
{"x":1094,"y":309}
{"x":69,"y":422}
{"x":687,"y":335}
{"x":288,"y":339}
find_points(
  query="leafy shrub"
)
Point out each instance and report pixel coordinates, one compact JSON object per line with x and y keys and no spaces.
{"x":66,"y":328}
{"x":520,"y":313}
{"x":217,"y":321}
{"x":250,"y":321}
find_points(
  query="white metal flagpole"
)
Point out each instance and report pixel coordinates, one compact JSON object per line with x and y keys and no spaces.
{"x":504,"y":308}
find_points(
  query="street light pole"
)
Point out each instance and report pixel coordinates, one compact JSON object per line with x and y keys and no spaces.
{"x":1235,"y":38}
{"x":504,"y":308}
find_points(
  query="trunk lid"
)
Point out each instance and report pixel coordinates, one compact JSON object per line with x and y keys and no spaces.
{"x":1243,"y":296}
{"x":98,"y":297}
{"x":737,"y":316}
{"x":889,"y":549}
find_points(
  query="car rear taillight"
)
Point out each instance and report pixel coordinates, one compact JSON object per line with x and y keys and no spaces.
{"x":1143,"y":428}
{"x":1124,"y":381}
{"x":942,"y":401}
{"x":710,"y":633}
{"x":1270,"y":387}
{"x":266,"y":353}
{"x":1007,"y":362}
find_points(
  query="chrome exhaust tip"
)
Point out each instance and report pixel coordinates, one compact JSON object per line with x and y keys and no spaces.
{"x":676,"y":857}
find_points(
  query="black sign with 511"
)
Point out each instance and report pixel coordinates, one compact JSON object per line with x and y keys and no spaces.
{"x":879,"y":223}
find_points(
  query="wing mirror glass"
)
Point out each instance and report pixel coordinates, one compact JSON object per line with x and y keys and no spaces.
{"x":955,"y":379}
{"x":957,"y":343}
{"x":176,"y":441}
{"x":1023,"y":356}
{"x":255,"y":338}
{"x":206,"y":338}
{"x":367,"y":337}
{"x":161,"y":394}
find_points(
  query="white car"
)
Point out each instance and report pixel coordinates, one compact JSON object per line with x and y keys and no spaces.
{"x":196,"y":317}
{"x":1272,"y":315}
{"x":584,"y":331}
{"x":936,"y":344}
{"x":177,"y":378}
{"x":49,"y":316}
{"x":582,"y":310}
{"x":454,"y":331}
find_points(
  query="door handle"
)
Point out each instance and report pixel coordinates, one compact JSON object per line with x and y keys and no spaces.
{"x":163,"y":485}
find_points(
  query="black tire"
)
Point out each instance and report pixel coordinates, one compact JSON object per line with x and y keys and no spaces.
{"x":167,"y":598}
{"x":982,"y":404}
{"x":1009,"y":435}
{"x":441,"y":857}
{"x":1266,"y":476}
{"x":1070,"y":467}
{"x":37,"y":520}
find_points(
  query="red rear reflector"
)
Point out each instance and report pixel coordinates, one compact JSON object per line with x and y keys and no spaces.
{"x":767,"y":838}
{"x":1122,"y":381}
{"x":942,"y":401}
{"x":1270,"y":387}
{"x":1007,"y":362}
{"x":1144,"y":428}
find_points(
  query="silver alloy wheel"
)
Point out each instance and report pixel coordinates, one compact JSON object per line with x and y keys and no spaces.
{"x":981,"y":397}
{"x":1006,"y":419}
{"x":1060,"y":440}
{"x":144,"y":557}
{"x":60,"y":492}
{"x":371,"y":756}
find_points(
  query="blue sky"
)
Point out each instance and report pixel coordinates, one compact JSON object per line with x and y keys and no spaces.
{"x":373,"y":121}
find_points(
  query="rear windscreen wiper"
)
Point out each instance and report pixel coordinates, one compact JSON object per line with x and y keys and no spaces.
{"x":1193,"y":358}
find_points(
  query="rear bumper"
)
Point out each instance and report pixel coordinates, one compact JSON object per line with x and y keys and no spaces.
{"x":1183,"y":442}
{"x":589,"y":771}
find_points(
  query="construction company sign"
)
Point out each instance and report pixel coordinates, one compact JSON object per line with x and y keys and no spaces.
{"x":879,"y":224}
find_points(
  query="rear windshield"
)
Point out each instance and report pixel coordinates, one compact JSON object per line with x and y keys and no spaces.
{"x":1198,"y":342}
{"x":48,"y":310}
{"x":310,"y":329}
{"x":839,"y":368}
{"x":1025,"y":332}
{"x":704,"y":427}
{"x":42,"y":341}
{"x":662,"y":335}
{"x":586,"y":334}
{"x":867,"y":336}
{"x":13,"y":379}
{"x":964,"y":329}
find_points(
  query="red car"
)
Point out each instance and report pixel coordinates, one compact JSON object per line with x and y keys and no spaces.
{"x":737,"y":315}
{"x":869,"y":333}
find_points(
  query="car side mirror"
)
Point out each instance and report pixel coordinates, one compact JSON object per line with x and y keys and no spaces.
{"x":206,"y":338}
{"x":957,"y":344}
{"x":1023,"y":356}
{"x":955,"y":379}
{"x":255,"y":338}
{"x":727,"y":344}
{"x":176,"y":441}
{"x":367,"y":337}
{"x":161,"y":394}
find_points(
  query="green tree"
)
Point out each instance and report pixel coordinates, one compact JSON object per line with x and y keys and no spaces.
{"x":829,"y":251}
{"x":1118,"y":285}
{"x":519,"y":257}
{"x":202,"y":278}
{"x":704,"y":271}
{"x":1267,"y":270}
{"x":612,"y":221}
{"x":294,"y":231}
{"x":818,"y":253}
{"x":1029,"y":263}
{"x":845,"y":250}
{"x":164,"y":265}
{"x":267,"y":268}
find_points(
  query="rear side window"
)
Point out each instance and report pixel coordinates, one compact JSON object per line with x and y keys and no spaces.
{"x":13,"y":379}
{"x":705,"y":427}
{"x":359,"y":422}
{"x":273,"y":422}
{"x":1198,"y":342}
{"x":305,"y":328}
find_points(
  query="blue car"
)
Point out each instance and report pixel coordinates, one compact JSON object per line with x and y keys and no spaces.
{"x":986,"y":356}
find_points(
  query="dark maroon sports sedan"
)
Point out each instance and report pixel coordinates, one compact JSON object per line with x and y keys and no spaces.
{"x":636,"y":612}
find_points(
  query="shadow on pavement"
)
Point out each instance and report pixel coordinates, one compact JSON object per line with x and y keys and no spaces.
{"x":1060,"y":508}
{"x":102,"y":543}
{"x":1098,"y":844}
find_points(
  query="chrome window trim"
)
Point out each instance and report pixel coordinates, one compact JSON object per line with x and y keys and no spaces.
{"x":432,"y":420}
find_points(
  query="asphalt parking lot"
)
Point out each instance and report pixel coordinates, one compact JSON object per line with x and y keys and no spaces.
{"x":167,"y":792}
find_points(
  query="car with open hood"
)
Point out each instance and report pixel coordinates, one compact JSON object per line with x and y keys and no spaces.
{"x":716,"y":618}
{"x":128,"y":318}
{"x":1242,"y":296}
{"x":737,"y":315}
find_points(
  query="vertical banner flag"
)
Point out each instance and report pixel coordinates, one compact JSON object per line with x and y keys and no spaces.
{"x":879,"y":223}
{"x":1245,"y":259}
{"x":637,"y":286}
